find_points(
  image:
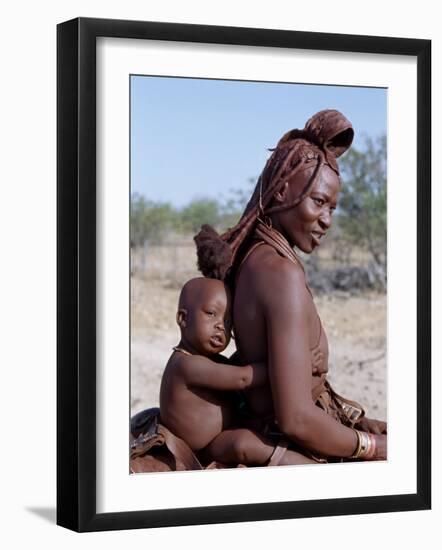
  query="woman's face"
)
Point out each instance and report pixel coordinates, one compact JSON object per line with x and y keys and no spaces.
{"x":305,"y":225}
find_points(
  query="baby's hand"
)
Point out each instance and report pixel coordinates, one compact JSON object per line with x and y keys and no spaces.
{"x":317,"y":358}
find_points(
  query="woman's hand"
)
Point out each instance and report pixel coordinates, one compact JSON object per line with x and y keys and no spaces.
{"x":317,"y":358}
{"x":381,"y":448}
{"x":372,"y":426}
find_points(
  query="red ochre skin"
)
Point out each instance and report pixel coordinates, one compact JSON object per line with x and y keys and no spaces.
{"x":305,"y":225}
{"x":276,"y":322}
{"x":195,"y":394}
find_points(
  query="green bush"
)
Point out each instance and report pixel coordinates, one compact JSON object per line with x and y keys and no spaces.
{"x":150,"y":221}
{"x":362,"y":211}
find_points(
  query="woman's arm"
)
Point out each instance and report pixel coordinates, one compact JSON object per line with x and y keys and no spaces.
{"x":288,"y":311}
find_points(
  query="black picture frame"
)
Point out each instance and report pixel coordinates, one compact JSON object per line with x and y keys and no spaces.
{"x":77,"y":287}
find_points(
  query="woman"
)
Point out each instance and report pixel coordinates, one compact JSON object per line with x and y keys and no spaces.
{"x":275,"y":319}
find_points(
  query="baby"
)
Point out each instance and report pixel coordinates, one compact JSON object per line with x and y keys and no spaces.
{"x":196,"y":395}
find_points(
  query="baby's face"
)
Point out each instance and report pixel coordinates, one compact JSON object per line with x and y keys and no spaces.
{"x":208,"y":320}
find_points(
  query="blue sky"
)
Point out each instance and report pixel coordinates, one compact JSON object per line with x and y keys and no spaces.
{"x":193,"y":138}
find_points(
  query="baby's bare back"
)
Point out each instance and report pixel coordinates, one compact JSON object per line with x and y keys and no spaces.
{"x":193,"y":413}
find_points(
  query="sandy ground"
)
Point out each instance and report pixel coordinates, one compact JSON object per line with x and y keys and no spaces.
{"x":355,"y":326}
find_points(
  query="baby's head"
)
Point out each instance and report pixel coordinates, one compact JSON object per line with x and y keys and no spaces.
{"x":204,"y":316}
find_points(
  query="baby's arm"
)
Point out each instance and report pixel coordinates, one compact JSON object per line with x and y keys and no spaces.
{"x":260,"y":375}
{"x":201,"y":371}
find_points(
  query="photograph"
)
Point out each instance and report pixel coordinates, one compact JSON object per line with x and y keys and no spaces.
{"x":258,"y":273}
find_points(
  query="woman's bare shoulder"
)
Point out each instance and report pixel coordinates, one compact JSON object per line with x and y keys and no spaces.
{"x":272,"y":275}
{"x":265,"y":263}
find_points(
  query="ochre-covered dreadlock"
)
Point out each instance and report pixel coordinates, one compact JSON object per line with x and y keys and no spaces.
{"x":325,"y":137}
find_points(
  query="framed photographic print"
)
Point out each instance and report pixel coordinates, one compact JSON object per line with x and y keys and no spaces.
{"x":163,"y":128}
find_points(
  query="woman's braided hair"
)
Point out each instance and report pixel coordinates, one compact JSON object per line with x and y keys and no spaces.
{"x":325,"y":137}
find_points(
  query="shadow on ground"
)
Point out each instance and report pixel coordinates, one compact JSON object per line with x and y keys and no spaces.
{"x":49,"y":514}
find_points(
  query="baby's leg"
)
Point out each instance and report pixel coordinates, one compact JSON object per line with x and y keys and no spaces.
{"x":242,"y":446}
